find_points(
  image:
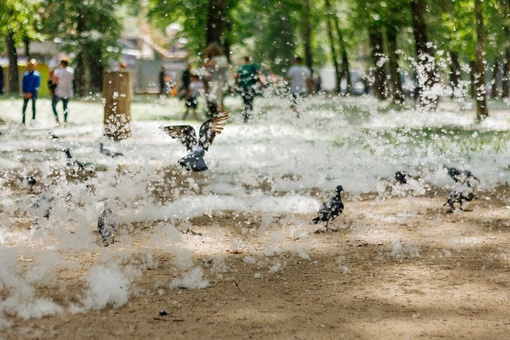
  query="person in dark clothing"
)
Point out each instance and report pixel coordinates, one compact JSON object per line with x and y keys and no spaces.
{"x":1,"y":80}
{"x":30,"y":86}
{"x":247,"y":78}
{"x":186,"y":81}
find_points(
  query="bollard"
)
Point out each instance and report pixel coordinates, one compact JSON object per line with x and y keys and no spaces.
{"x":117,"y":104}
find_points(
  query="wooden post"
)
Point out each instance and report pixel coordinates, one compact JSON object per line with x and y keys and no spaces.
{"x":117,"y":104}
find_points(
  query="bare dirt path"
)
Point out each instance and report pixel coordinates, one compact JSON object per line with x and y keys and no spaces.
{"x":396,"y":268}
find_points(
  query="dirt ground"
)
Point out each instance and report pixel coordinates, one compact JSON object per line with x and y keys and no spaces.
{"x":394,"y":268}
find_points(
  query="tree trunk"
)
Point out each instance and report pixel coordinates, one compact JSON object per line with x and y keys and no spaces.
{"x":377,"y":54}
{"x":496,"y":93}
{"x":215,"y":21}
{"x":80,"y":78}
{"x":426,"y":65}
{"x":13,"y":64}
{"x":505,"y":77}
{"x":480,"y":90}
{"x":334,"y":56}
{"x":307,"y":34}
{"x":455,"y":72}
{"x":345,"y":70}
{"x":96,"y":70}
{"x":26,"y":44}
{"x":397,"y":93}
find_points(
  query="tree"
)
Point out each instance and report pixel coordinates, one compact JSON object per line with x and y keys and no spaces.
{"x":90,"y":30}
{"x":426,"y":71}
{"x":17,"y":23}
{"x":480,"y":89}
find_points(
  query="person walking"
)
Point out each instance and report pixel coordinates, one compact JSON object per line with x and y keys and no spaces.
{"x":186,"y":81}
{"x":246,"y":80}
{"x":30,"y":87}
{"x":63,"y":77}
{"x":195,"y":90}
{"x":216,"y":67}
{"x":300,"y":78}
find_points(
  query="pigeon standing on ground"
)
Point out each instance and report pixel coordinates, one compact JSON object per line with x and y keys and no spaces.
{"x":464,"y":191}
{"x":330,"y":209}
{"x":31,"y":181}
{"x":459,"y":196}
{"x":197,"y":147}
{"x":108,"y":152}
{"x":72,"y":164}
{"x":106,"y":226}
{"x":76,"y":167}
{"x":402,"y":177}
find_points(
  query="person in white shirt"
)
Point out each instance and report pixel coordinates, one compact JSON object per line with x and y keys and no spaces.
{"x":216,"y":67}
{"x":63,"y":78}
{"x":300,"y":78}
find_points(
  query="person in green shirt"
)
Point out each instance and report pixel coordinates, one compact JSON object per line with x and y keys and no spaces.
{"x":247,"y":78}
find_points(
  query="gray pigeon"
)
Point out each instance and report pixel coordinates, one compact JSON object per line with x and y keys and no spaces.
{"x":459,"y":196}
{"x":462,"y":176}
{"x":106,"y":226}
{"x":108,"y":152}
{"x":72,"y":164}
{"x":194,"y":161}
{"x":330,"y":209}
{"x":402,"y":177}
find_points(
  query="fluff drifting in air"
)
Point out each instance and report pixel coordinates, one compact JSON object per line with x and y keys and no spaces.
{"x":329,"y":210}
{"x":197,"y":147}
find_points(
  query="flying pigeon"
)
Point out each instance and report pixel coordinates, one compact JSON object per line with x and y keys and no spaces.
{"x":330,"y":209}
{"x":402,"y":177}
{"x":106,"y":226}
{"x":461,"y":176}
{"x":197,"y":147}
{"x":108,"y":152}
{"x":459,"y":196}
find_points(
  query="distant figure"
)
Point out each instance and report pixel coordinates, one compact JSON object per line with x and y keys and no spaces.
{"x":196,"y":88}
{"x":63,"y":78}
{"x":300,"y":78}
{"x":30,"y":87}
{"x":163,"y":82}
{"x":186,"y":81}
{"x":1,"y":80}
{"x":123,"y":66}
{"x":216,"y":67}
{"x":247,"y":78}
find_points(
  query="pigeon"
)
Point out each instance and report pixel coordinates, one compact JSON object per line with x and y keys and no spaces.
{"x":194,"y":161}
{"x":330,"y":209}
{"x":72,"y":164}
{"x":106,"y":226}
{"x":108,"y":152}
{"x":52,"y":135}
{"x":462,"y":176}
{"x":459,"y":196}
{"x":76,"y":167}
{"x":402,"y":177}
{"x":31,"y":181}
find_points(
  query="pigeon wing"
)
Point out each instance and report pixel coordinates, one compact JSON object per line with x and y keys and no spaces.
{"x":211,"y":128}
{"x":185,"y":133}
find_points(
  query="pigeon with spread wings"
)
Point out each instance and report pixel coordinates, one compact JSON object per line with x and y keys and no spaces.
{"x":197,"y":147}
